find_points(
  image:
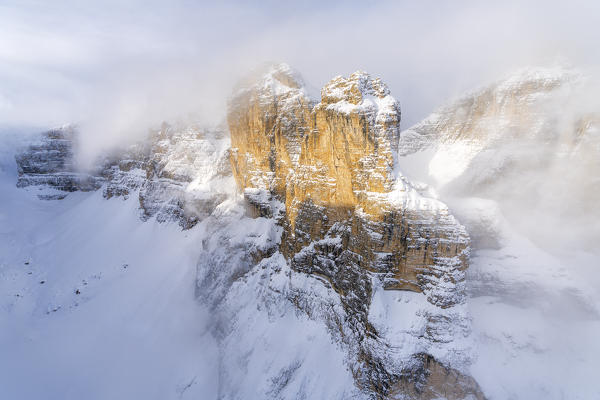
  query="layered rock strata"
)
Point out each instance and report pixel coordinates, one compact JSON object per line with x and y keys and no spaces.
{"x":348,"y":218}
{"x":331,"y":164}
{"x":179,"y":173}
{"x":525,"y":141}
{"x":50,"y":162}
{"x":519,"y":123}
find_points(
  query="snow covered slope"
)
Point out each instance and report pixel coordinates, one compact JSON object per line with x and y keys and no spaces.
{"x":96,"y":303}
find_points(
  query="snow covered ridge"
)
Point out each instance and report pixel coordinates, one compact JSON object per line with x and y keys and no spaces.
{"x":503,"y":110}
{"x":538,"y":125}
{"x":303,"y":309}
{"x":179,"y":173}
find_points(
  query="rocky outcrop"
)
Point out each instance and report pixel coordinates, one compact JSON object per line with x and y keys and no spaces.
{"x":331,"y":154}
{"x":526,"y":142}
{"x":179,"y":173}
{"x":430,"y":380}
{"x":522,"y":122}
{"x":348,"y":218}
{"x":331,"y":163}
{"x":509,"y":109}
{"x":50,"y":162}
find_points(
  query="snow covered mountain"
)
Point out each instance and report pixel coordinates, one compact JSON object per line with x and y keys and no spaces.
{"x":517,"y":162}
{"x":305,"y":252}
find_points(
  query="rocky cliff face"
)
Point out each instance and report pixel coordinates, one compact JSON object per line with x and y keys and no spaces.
{"x":50,"y":162}
{"x":538,"y":125}
{"x":508,"y":109}
{"x":331,"y":163}
{"x":515,"y":124}
{"x":347,"y":217}
{"x":332,"y":154}
{"x":179,"y":173}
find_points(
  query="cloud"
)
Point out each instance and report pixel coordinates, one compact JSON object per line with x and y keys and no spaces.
{"x":117,"y":68}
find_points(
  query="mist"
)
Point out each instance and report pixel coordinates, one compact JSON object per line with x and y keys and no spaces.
{"x":119,"y":68}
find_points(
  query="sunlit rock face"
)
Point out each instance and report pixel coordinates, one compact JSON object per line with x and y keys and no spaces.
{"x":348,"y":218}
{"x":518,"y":123}
{"x":501,"y":111}
{"x":331,"y":163}
{"x":333,"y":153}
{"x":530,"y":142}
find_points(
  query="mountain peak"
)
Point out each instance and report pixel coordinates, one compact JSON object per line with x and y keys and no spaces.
{"x":354,"y":89}
{"x":325,"y":172}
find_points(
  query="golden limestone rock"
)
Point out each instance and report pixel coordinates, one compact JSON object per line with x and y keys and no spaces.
{"x":534,"y":130}
{"x":332,"y":164}
{"x":333,"y":153}
{"x":326,"y":171}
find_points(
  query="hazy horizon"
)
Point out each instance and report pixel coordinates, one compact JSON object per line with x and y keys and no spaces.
{"x":122,"y":66}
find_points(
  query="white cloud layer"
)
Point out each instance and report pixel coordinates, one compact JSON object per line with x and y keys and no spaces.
{"x":117,"y":68}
